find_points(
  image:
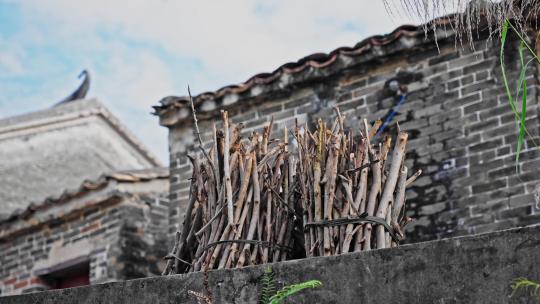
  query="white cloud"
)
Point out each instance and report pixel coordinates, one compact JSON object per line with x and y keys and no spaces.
{"x":10,"y":64}
{"x":143,"y":50}
{"x":229,"y":37}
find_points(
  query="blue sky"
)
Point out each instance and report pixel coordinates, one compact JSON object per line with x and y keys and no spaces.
{"x":139,"y":51}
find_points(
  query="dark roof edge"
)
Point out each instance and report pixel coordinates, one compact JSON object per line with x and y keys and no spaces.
{"x":132,"y":176}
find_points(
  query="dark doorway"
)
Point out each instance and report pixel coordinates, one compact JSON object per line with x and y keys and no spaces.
{"x":69,"y":276}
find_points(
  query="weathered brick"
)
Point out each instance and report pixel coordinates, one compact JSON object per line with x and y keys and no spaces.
{"x":427,"y":111}
{"x":355,"y":85}
{"x":503,"y":151}
{"x":491,"y":207}
{"x":521,"y":211}
{"x":467,"y":79}
{"x":524,"y":177}
{"x":454,"y":103}
{"x":444,"y":57}
{"x":20,"y":284}
{"x":484,"y":65}
{"x":296,"y":103}
{"x":482,"y":75}
{"x":465,"y":61}
{"x":484,"y":187}
{"x":499,"y":225}
{"x":485,"y":145}
{"x":484,"y":167}
{"x":482,"y":125}
{"x":271,"y":110}
{"x":505,"y":171}
{"x":476,"y":87}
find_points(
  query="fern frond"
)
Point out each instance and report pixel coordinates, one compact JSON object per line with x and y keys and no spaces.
{"x":289,"y":290}
{"x":268,"y":286}
{"x":527,"y":285}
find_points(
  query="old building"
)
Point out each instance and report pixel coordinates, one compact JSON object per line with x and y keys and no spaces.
{"x":82,"y":200}
{"x":111,"y":228}
{"x":462,"y":131}
{"x":45,"y":152}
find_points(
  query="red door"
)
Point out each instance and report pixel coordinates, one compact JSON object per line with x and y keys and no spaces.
{"x":75,"y":280}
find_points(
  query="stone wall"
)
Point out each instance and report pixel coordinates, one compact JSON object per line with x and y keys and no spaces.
{"x":462,"y":131}
{"x":122,"y":237}
{"x":473,"y":269}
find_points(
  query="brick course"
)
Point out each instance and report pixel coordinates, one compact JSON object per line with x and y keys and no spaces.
{"x":122,"y":237}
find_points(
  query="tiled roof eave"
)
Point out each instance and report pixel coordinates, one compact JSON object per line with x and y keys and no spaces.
{"x":88,"y":186}
{"x":174,"y":110}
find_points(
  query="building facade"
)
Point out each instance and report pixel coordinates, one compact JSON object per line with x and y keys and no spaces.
{"x":109,"y":229}
{"x":45,"y":152}
{"x":82,"y":200}
{"x":462,"y":132}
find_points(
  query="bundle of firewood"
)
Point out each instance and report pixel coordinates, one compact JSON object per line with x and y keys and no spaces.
{"x":353,"y":192}
{"x":258,"y":200}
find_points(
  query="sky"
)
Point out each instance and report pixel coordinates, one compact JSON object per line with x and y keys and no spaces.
{"x":139,"y":51}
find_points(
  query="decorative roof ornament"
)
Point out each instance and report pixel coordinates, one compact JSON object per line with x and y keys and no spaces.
{"x":81,"y":91}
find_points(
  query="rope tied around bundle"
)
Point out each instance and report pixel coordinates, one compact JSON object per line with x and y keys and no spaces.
{"x":253,"y":242}
{"x":362,"y":218}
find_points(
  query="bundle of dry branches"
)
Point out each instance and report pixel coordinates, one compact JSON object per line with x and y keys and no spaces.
{"x":240,"y":210}
{"x":260,"y":200}
{"x":350,"y":187}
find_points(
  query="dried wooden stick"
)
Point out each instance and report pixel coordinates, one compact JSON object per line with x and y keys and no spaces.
{"x":388,"y":193}
{"x":226,"y":168}
{"x":373,"y":130}
{"x":255,"y":214}
{"x":195,"y":122}
{"x":317,"y":183}
{"x":361,"y":194}
{"x":399,"y":200}
{"x":374,"y":191}
{"x":413,"y":178}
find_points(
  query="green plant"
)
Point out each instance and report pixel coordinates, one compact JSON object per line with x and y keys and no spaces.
{"x":269,"y":294}
{"x":522,"y":84}
{"x":289,"y":290}
{"x":268,"y":287}
{"x":527,"y":285}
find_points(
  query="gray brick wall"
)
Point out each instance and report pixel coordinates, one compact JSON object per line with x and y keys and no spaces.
{"x":462,"y":133}
{"x":123,"y":239}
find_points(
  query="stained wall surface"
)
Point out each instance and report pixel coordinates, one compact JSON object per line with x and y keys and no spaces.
{"x":45,"y":153}
{"x":472,"y":269}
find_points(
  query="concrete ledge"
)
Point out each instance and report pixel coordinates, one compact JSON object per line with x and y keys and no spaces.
{"x":472,"y":269}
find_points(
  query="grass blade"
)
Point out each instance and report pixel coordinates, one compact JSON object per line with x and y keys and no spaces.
{"x":504,"y":33}
{"x":522,"y":81}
